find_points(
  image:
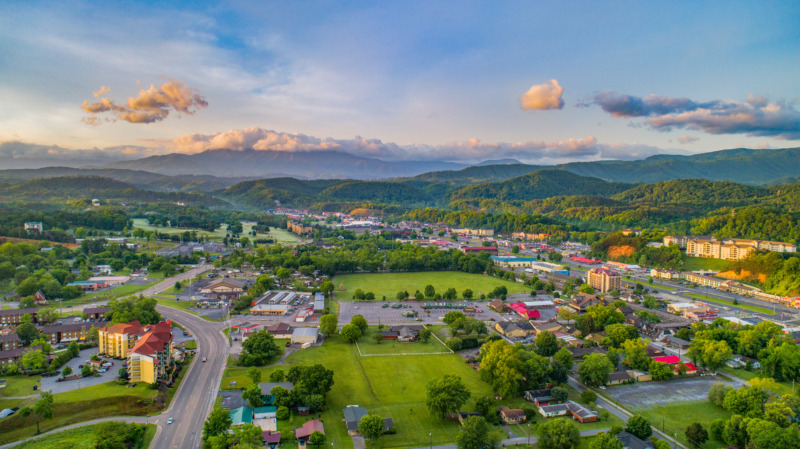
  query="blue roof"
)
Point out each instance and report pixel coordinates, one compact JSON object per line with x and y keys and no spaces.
{"x":514,"y":259}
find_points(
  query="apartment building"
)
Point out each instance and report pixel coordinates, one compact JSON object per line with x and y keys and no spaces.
{"x":475,"y":232}
{"x":603,"y":279}
{"x":732,"y":249}
{"x":151,"y":356}
{"x":115,"y":341}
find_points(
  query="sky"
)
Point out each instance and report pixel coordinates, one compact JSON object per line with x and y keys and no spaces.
{"x":540,"y":82}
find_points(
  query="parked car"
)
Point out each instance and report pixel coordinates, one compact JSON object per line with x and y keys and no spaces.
{"x":288,"y":343}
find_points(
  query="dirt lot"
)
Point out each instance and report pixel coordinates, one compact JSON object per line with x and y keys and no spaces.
{"x":643,"y":395}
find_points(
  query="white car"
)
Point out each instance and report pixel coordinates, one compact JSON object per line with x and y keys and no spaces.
{"x":169,"y":421}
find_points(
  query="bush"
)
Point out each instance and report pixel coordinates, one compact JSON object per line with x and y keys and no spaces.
{"x":282,"y":413}
{"x":588,"y":396}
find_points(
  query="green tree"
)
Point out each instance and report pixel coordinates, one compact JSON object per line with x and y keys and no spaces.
{"x":661,"y":371}
{"x":595,"y":370}
{"x":351,"y":333}
{"x":378,"y":338}
{"x":560,"y":394}
{"x":371,"y":427}
{"x":252,"y":395}
{"x":34,"y":359}
{"x":474,"y":434}
{"x":27,"y":333}
{"x":277,"y":376}
{"x":558,"y":433}
{"x":445,"y":395}
{"x":283,"y":398}
{"x":218,"y":422}
{"x":430,"y":292}
{"x":66,"y":371}
{"x":639,"y":425}
{"x":606,"y":441}
{"x":43,"y":408}
{"x":259,"y":349}
{"x":696,"y":435}
{"x":47,"y":315}
{"x":453,"y":316}
{"x":467,"y":294}
{"x":588,"y":396}
{"x":636,"y":354}
{"x":360,"y":322}
{"x":328,"y":324}
{"x":425,"y":335}
{"x":316,"y":438}
{"x":247,"y":436}
{"x":254,"y":374}
{"x":546,"y":344}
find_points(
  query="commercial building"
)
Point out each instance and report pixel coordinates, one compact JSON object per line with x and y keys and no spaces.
{"x":270,"y":309}
{"x":512,"y":262}
{"x":547,"y":267}
{"x":303,"y":335}
{"x":224,"y":287}
{"x":603,"y":279}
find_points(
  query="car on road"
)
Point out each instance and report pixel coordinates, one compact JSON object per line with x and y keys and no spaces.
{"x":169,"y":421}
{"x":204,"y":359}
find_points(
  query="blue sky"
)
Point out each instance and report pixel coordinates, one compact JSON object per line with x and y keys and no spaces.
{"x":403,"y":80}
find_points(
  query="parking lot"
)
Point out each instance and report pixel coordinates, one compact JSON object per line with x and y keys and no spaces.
{"x":644,"y":395}
{"x":50,"y":384}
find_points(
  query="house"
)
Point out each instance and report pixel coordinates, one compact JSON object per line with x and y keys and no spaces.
{"x":740,"y":361}
{"x":604,"y":280}
{"x":96,"y":313}
{"x":579,"y":353}
{"x":241,"y":416}
{"x":224,"y":287}
{"x":39,"y":298}
{"x":354,"y":413}
{"x":280,"y":330}
{"x":271,"y":439}
{"x":402,"y":333}
{"x":539,"y":397}
{"x":463,"y":416}
{"x":302,"y":335}
{"x":619,"y":377}
{"x":512,"y":416}
{"x":631,"y":441}
{"x":499,"y":306}
{"x":675,"y":342}
{"x":582,"y":301}
{"x":514,"y":329}
{"x":675,"y":361}
{"x":572,"y":408}
{"x":548,"y":326}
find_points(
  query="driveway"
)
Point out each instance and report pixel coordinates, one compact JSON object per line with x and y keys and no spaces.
{"x":50,"y":384}
{"x":652,"y":394}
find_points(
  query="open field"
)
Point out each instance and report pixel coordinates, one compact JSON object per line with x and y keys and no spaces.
{"x":388,"y":284}
{"x":99,"y":401}
{"x":369,"y":346}
{"x":80,"y":438}
{"x":279,"y":235}
{"x":676,"y":417}
{"x":19,"y":385}
{"x":741,"y":305}
{"x":704,"y":263}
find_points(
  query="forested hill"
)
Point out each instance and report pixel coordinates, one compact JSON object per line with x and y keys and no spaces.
{"x":86,"y":188}
{"x":693,"y":192}
{"x":539,"y":185}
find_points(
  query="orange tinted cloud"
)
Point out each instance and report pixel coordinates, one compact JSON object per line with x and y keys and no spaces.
{"x":152,"y":105}
{"x":543,"y":96}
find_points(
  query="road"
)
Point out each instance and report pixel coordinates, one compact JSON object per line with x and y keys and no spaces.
{"x":196,"y":394}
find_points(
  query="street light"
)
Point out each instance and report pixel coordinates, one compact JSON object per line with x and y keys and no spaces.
{"x":529,"y":433}
{"x":430,"y":434}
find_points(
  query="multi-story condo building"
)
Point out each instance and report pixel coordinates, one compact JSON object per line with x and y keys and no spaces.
{"x":151,"y":357}
{"x":116,"y":340}
{"x":603,"y":279}
{"x":733,"y":249}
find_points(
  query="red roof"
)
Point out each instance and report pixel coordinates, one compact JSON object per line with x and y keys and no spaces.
{"x":308,"y":428}
{"x":480,"y":248}
{"x":154,"y":340}
{"x":522,"y":310}
{"x":669,"y":359}
{"x":584,"y":259}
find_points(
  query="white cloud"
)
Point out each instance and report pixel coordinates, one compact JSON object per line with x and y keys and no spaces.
{"x":151,"y":105}
{"x":543,"y":96}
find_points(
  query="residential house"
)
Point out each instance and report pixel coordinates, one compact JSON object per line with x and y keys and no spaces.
{"x":580,"y":353}
{"x":675,"y":342}
{"x":539,"y":397}
{"x":549,"y":326}
{"x":581,"y":302}
{"x":39,"y":298}
{"x":265,"y":417}
{"x":9,"y":341}
{"x":514,"y":329}
{"x":241,"y":416}
{"x":96,"y":313}
{"x":280,"y":330}
{"x":499,"y":306}
{"x":354,"y":413}
{"x":271,"y":439}
{"x":512,"y":416}
{"x":571,"y":408}
{"x":150,"y":358}
{"x":64,"y":333}
{"x":604,"y":280}
{"x":631,"y":441}
{"x":463,"y":416}
{"x":619,"y":377}
{"x":740,"y":361}
{"x":402,"y":333}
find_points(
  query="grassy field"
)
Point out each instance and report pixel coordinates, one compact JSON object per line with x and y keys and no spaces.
{"x":19,"y":385}
{"x":369,"y":346}
{"x":279,"y":235}
{"x":116,"y":292}
{"x":704,"y":263}
{"x":108,"y":399}
{"x":388,"y":284}
{"x":744,"y":306}
{"x":676,"y":417}
{"x":79,"y":438}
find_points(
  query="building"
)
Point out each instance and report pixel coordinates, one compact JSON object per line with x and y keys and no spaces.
{"x":13,"y":355}
{"x":280,"y":330}
{"x":539,"y":397}
{"x":14,"y":316}
{"x":675,"y":361}
{"x":306,"y":430}
{"x":34,"y":226}
{"x":302,"y":335}
{"x":530,"y":236}
{"x":479,"y":249}
{"x":110,"y":280}
{"x":524,"y":312}
{"x":115,"y":341}
{"x":299,"y":228}
{"x":631,"y":441}
{"x":707,"y":281}
{"x":354,"y":413}
{"x":547,"y":267}
{"x":65,"y":333}
{"x":512,"y":262}
{"x":402,"y":333}
{"x":88,"y":285}
{"x":485,"y":232}
{"x":581,"y":302}
{"x":241,"y":416}
{"x":224,"y":287}
{"x":540,"y":304}
{"x":96,"y":313}
{"x":499,"y":306}
{"x":619,"y":377}
{"x":512,"y":416}
{"x":319,"y":302}
{"x":514,"y":329}
{"x":733,"y":249}
{"x":271,"y":439}
{"x":270,"y":309}
{"x":150,"y":358}
{"x":9,"y":341}
{"x":604,"y":280}
{"x":571,"y":408}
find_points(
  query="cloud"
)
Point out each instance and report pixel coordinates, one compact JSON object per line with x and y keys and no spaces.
{"x":543,"y":96}
{"x":50,"y":155}
{"x":103,"y":89}
{"x":687,"y":139}
{"x":754,"y":117}
{"x":152,"y":105}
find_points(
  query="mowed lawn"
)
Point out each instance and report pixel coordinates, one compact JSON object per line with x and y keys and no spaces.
{"x":80,"y":438}
{"x":388,"y":284}
{"x":98,"y":401}
{"x":278,"y":234}
{"x":704,"y":263}
{"x":368,"y":345}
{"x":389,"y":386}
{"x":675,"y":418}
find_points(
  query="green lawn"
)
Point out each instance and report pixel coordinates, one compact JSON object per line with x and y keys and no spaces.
{"x":388,"y":284}
{"x":676,"y":417}
{"x":389,"y":386}
{"x":279,"y":235}
{"x":174,"y":303}
{"x":19,"y":385}
{"x":741,"y":305}
{"x":79,"y":438}
{"x":116,"y":292}
{"x":98,"y":401}
{"x":704,"y":263}
{"x":387,"y":347}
